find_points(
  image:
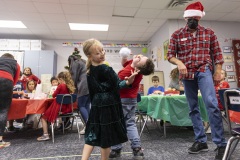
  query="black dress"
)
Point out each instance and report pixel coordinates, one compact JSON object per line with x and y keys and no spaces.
{"x":105,"y":126}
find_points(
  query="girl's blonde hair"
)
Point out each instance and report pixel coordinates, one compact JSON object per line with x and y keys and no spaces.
{"x":174,"y":73}
{"x":86,"y":49}
{"x":66,"y":76}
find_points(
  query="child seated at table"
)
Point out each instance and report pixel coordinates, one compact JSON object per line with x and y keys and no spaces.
{"x":17,"y":93}
{"x":66,"y":86}
{"x":222,"y":84}
{"x":155,"y":89}
{"x":30,"y":89}
{"x":54,"y":83}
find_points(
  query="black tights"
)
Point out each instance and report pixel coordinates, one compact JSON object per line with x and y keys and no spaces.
{"x":6,"y":91}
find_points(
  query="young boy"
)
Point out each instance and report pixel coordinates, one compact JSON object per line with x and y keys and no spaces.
{"x":129,"y":99}
{"x":54,"y":83}
{"x":18,"y":92}
{"x":155,"y":89}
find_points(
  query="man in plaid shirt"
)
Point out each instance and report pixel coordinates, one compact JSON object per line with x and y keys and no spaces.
{"x":190,"y":49}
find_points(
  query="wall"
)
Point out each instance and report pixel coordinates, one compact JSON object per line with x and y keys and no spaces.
{"x":112,"y":55}
{"x":225,"y":31}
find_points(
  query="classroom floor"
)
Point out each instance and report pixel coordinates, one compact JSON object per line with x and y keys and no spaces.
{"x":24,"y":146}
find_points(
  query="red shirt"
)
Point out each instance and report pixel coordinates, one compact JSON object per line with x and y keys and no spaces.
{"x":221,"y":85}
{"x":28,"y":78}
{"x":126,"y":72}
{"x":194,"y":52}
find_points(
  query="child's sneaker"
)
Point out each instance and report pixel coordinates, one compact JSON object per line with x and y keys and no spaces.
{"x":4,"y":144}
{"x":11,"y":129}
{"x":82,"y":131}
{"x":44,"y":137}
{"x":137,"y":153}
{"x":115,"y":154}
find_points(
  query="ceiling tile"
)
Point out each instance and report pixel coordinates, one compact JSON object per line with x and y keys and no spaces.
{"x":225,"y":7}
{"x":61,"y":32}
{"x":137,"y":28}
{"x":170,"y":14}
{"x":48,"y":7}
{"x":155,"y":4}
{"x":157,"y":22}
{"x":53,"y":17}
{"x":35,"y":25}
{"x":117,"y":28}
{"x":75,"y":9}
{"x":74,"y":1}
{"x":56,"y":25}
{"x":19,"y":6}
{"x":133,"y":34}
{"x":230,"y":17}
{"x":142,"y":21}
{"x":214,"y":16}
{"x":100,"y":10}
{"x":116,"y":34}
{"x":128,"y":3}
{"x":28,"y":16}
{"x":124,"y":11}
{"x":147,"y":13}
{"x":101,"y":3}
{"x":121,"y":20}
{"x":72,"y":18}
{"x":99,"y":19}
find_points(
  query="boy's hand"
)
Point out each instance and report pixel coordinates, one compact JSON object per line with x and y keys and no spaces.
{"x":129,"y":80}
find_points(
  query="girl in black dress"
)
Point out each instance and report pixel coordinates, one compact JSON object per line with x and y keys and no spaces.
{"x":105,"y":126}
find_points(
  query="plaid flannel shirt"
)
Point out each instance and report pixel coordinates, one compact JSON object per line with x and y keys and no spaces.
{"x":194,"y":52}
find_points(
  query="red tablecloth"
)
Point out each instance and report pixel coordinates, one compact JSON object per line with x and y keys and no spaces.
{"x":21,"y":107}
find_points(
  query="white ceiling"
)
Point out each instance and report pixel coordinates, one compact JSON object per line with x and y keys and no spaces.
{"x":48,"y":19}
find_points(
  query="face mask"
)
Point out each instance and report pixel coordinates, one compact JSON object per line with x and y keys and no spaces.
{"x":192,"y":23}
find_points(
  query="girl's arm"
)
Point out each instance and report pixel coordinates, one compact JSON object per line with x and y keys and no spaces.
{"x":36,"y":79}
{"x":57,"y":91}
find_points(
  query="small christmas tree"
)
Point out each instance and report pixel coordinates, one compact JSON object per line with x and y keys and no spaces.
{"x":76,"y":54}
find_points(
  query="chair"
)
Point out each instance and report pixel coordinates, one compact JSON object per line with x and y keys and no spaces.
{"x":140,"y":116}
{"x":232,"y":107}
{"x":66,"y":99}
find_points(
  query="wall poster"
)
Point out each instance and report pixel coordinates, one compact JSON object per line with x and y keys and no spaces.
{"x":236,"y":51}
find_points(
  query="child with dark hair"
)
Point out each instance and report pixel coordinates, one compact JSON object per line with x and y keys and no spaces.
{"x":9,"y":74}
{"x":54,"y":83}
{"x":18,"y":92}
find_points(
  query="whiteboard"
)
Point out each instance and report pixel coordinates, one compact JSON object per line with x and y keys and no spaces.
{"x":18,"y":56}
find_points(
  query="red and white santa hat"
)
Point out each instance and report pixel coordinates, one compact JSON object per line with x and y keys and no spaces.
{"x":194,"y":9}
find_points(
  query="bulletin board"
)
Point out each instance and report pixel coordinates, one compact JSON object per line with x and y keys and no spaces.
{"x":147,"y":81}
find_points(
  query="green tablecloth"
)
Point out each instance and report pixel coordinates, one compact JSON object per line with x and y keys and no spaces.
{"x":172,"y":108}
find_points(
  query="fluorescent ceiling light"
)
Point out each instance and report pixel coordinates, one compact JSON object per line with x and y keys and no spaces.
{"x":11,"y":24}
{"x":88,"y":27}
